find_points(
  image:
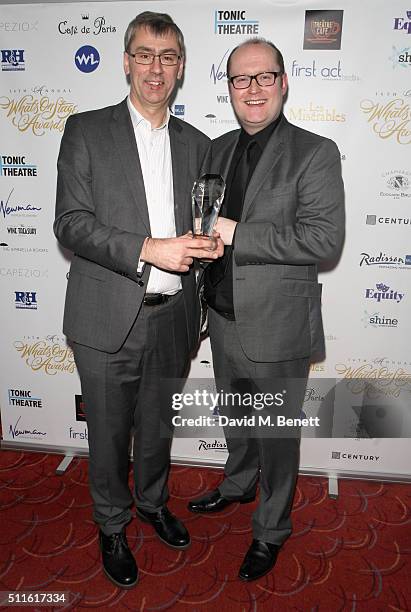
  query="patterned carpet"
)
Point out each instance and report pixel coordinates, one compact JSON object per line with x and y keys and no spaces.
{"x":351,"y":554}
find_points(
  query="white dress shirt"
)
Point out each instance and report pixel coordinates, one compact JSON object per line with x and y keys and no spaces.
{"x":154,"y":151}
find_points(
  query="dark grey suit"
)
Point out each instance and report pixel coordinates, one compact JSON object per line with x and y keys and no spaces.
{"x":292,"y":220}
{"x":122,"y":348}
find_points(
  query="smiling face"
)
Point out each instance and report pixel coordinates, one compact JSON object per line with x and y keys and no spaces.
{"x":256,"y":107}
{"x":151,"y":86}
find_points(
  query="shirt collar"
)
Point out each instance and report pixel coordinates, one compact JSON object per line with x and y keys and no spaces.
{"x":138,"y":118}
{"x":261,"y":137}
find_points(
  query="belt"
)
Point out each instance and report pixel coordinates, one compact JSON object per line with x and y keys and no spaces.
{"x":155,"y":299}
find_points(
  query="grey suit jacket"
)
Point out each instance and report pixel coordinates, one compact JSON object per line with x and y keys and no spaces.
{"x":292,"y":220}
{"x":102,"y":216}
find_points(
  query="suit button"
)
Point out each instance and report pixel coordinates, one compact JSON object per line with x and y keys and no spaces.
{"x":140,"y":283}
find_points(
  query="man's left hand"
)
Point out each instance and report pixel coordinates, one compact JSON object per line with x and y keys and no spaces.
{"x":226,"y":227}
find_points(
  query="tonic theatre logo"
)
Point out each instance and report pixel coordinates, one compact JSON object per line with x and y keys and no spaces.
{"x":12,"y":59}
{"x":323,"y":29}
{"x":383,"y":260}
{"x":25,"y":300}
{"x":9,"y":208}
{"x":316,"y":113}
{"x":389,"y":118}
{"x":16,"y":165}
{"x":375,"y":320}
{"x":401,"y":57}
{"x":383,"y":292}
{"x":18,"y":430}
{"x":50,"y":355}
{"x":87,"y":59}
{"x":234,"y":22}
{"x":24,"y":398}
{"x":376,"y":220}
{"x":37,"y":112}
{"x":404,"y":24}
{"x":100,"y":25}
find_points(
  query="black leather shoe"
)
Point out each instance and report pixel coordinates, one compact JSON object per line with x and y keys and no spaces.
{"x":118,"y":562}
{"x":259,"y":560}
{"x":215,"y":502}
{"x":169,"y":529}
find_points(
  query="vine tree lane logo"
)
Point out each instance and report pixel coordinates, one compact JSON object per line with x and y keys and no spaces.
{"x":323,"y":29}
{"x":390,"y":119}
{"x":234,"y":22}
{"x":12,"y":59}
{"x":400,"y":23}
{"x":87,"y":59}
{"x":37,"y":113}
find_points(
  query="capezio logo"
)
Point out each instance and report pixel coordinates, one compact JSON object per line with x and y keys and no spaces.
{"x":383,"y":292}
{"x":26,"y":300}
{"x":234,"y":22}
{"x":87,"y":59}
{"x":323,"y":29}
{"x":402,"y":24}
{"x":12,"y":59}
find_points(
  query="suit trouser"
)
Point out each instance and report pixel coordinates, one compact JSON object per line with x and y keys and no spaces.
{"x":121,"y":393}
{"x":272,"y":459}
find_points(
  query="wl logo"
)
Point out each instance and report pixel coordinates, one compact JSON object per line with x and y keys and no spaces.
{"x":26,"y":300}
{"x":87,"y":59}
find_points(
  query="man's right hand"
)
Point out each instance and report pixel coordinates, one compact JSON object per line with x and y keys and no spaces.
{"x":177,"y":254}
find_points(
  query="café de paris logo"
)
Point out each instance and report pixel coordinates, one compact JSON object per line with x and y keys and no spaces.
{"x":99,"y":25}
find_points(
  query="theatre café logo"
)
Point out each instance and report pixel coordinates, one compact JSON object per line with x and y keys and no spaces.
{"x":323,"y":29}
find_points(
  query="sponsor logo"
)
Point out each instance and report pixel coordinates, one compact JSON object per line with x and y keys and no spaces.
{"x":316,"y":113}
{"x":234,"y":22}
{"x":21,"y":230}
{"x":323,"y":29}
{"x":397,"y":184}
{"x":216,"y":445}
{"x":18,"y":26}
{"x":23,"y":273}
{"x":382,"y":260}
{"x":401,"y":57}
{"x":80,"y":408}
{"x":37,"y":112}
{"x":375,"y":319}
{"x":78,"y":435}
{"x":100,"y":25}
{"x":374,"y":220}
{"x":12,"y":59}
{"x":26,"y":250}
{"x":9,"y":208}
{"x":354,"y":456}
{"x":402,"y":23}
{"x":313,"y":394}
{"x":317,"y":367}
{"x":18,"y":430}
{"x":178,"y":110}
{"x":15,"y":165}
{"x":50,"y":355}
{"x":326,"y":72}
{"x":390,"y":376}
{"x":389,"y":118}
{"x":87,"y":59}
{"x":218,"y":71}
{"x":26,"y":300}
{"x":214,"y":120}
{"x":383,"y":292}
{"x":24,"y":398}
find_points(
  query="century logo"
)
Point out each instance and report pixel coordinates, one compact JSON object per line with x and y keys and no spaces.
{"x":234,"y":22}
{"x":87,"y":59}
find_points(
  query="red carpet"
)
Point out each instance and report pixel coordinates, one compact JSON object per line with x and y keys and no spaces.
{"x":352,"y":554}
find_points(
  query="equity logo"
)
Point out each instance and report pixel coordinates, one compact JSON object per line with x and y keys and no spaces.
{"x":87,"y":59}
{"x":323,"y":29}
{"x":12,"y":59}
{"x":383,"y":292}
{"x":401,"y":23}
{"x":234,"y":22}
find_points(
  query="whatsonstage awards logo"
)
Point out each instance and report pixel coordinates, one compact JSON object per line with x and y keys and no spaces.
{"x":38,"y":112}
{"x":49,"y":355}
{"x":390,"y":377}
{"x":389,"y":116}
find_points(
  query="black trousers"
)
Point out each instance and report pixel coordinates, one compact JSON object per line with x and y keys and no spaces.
{"x":256,"y":453}
{"x":122,"y":394}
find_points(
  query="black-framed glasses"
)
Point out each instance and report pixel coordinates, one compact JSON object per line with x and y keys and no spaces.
{"x":146,"y":58}
{"x":264,"y":79}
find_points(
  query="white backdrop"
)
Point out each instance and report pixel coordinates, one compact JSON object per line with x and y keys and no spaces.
{"x":347,"y":88}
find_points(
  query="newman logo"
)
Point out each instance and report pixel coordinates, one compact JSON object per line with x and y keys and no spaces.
{"x":402,"y":24}
{"x":16,"y":432}
{"x":12,"y":59}
{"x":26,"y":300}
{"x":87,"y":59}
{"x":234,"y":22}
{"x":383,"y":292}
{"x":323,"y":29}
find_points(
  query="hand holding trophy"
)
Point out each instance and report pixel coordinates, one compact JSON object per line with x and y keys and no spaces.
{"x":207,"y":196}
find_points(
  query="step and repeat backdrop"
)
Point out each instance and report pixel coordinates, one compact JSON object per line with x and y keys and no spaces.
{"x":60,"y":59}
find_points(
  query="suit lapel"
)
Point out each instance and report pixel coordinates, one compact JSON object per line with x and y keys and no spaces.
{"x":179,"y":160}
{"x":123,"y":135}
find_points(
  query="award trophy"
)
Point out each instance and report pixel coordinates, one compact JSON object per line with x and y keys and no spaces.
{"x":206,"y":195}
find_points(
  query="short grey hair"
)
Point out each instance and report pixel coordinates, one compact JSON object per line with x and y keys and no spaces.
{"x":158,"y":23}
{"x":258,"y":41}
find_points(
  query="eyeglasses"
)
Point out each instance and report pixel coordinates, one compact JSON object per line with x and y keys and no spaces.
{"x":264,"y":79}
{"x":166,"y":59}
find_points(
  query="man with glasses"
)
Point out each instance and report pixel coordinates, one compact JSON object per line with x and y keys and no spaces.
{"x":283,"y":214}
{"x":132,"y":314}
